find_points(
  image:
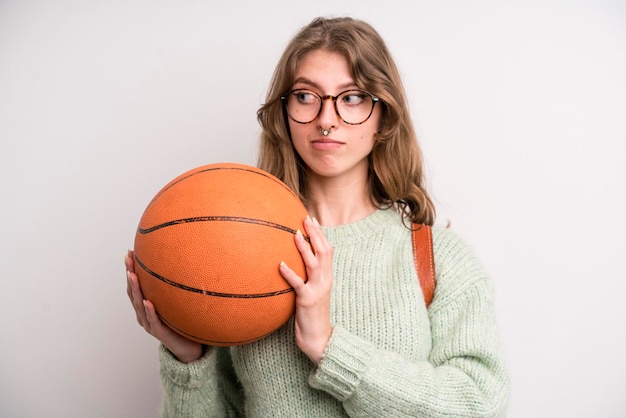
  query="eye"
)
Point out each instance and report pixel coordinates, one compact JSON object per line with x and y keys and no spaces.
{"x":354,"y":98}
{"x":306,"y":97}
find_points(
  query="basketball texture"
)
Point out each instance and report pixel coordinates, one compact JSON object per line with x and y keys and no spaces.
{"x":207,"y":251}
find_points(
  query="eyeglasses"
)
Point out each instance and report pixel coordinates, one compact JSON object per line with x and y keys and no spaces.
{"x":354,"y":107}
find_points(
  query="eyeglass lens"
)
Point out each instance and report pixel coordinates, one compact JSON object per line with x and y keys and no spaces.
{"x":352,"y":106}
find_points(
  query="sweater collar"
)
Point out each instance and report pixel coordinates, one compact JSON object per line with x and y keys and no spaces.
{"x":372,"y":224}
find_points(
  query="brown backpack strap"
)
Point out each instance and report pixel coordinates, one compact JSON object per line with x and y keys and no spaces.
{"x":424,"y":260}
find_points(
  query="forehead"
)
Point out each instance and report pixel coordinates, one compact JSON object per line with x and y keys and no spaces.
{"x":324,"y":69}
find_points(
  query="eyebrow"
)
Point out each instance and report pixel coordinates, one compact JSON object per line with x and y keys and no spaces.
{"x":313,"y":84}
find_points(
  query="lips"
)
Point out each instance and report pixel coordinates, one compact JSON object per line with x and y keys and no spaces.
{"x":326,"y":140}
{"x":326,"y":144}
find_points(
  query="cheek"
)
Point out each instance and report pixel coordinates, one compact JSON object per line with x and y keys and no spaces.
{"x":376,"y":118}
{"x":292,"y":125}
{"x":367,"y":139}
{"x":298,"y":136}
{"x":371,"y":127}
{"x":297,"y":131}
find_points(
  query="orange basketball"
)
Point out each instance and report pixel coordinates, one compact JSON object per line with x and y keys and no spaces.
{"x":207,"y":252}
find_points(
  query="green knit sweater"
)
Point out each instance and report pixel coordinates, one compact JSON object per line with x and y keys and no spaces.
{"x":388,"y":355}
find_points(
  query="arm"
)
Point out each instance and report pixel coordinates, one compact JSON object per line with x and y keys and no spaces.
{"x":464,"y":375}
{"x":185,"y":350}
{"x":197,"y":381}
{"x":203,"y":388}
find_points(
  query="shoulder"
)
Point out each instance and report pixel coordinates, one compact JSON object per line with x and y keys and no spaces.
{"x":448,"y":246}
{"x":457,"y":266}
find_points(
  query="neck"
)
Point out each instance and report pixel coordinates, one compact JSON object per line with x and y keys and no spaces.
{"x":335,"y":202}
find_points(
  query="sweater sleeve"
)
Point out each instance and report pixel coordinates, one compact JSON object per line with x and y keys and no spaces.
{"x":464,"y":375}
{"x":206,"y":387}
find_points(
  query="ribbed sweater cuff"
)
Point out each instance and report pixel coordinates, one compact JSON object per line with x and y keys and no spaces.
{"x":191,"y":375}
{"x":344,"y":362}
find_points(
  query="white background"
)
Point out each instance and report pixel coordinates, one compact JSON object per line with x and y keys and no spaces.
{"x":520,"y":107}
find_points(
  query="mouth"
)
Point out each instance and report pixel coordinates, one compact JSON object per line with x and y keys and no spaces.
{"x":326,"y":144}
{"x":325,"y":140}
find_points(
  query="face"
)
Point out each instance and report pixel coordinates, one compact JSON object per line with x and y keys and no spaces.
{"x":343,"y":152}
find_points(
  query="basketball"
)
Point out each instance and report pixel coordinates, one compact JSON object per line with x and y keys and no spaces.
{"x":208,"y":248}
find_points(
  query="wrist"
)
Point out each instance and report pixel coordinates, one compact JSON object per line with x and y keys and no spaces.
{"x":315,"y":351}
{"x":188,"y":354}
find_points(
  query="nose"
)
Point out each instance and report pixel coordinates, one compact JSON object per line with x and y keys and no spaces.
{"x":328,"y":117}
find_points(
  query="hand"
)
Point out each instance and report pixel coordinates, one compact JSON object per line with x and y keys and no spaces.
{"x":185,"y":350}
{"x":312,"y":328}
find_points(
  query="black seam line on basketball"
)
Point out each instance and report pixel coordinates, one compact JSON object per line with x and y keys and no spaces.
{"x":220,"y":219}
{"x":264,"y":174}
{"x":207,"y":341}
{"x":216,"y":219}
{"x":208,"y":292}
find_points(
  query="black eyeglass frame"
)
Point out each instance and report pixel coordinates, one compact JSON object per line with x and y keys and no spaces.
{"x":375,"y":100}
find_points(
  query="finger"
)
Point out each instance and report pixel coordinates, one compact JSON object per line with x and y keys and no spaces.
{"x":129,"y":289}
{"x":136,"y":298}
{"x":154,"y":325}
{"x":150,"y":313}
{"x":135,"y":287}
{"x":319,"y":243}
{"x":291,"y":277}
{"x":129,"y":293}
{"x":129,"y":261}
{"x":305,"y":249}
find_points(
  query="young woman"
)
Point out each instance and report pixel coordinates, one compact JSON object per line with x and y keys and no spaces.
{"x":336,"y":129}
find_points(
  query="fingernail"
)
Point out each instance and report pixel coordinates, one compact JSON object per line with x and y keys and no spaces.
{"x":299,"y":233}
{"x":284,"y":266}
{"x":315,"y":222}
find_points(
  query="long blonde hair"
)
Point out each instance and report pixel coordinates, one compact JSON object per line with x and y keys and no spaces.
{"x":396,"y":172}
